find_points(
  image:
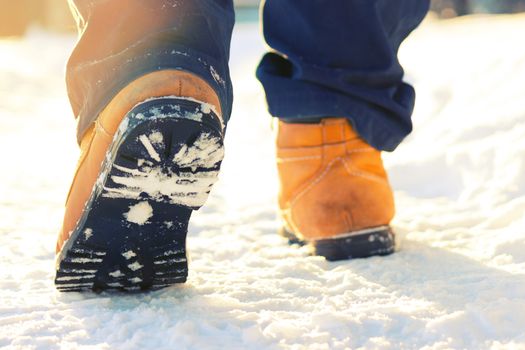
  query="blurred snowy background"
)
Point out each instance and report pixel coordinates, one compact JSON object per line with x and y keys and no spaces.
{"x":458,"y":280}
{"x":17,"y":16}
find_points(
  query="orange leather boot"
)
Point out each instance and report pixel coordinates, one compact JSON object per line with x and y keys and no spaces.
{"x":334,"y":192}
{"x":149,"y":160}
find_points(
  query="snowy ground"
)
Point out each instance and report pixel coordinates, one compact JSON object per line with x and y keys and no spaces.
{"x":458,"y":280}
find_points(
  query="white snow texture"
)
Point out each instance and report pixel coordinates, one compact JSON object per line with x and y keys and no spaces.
{"x":458,"y":280}
{"x":185,"y":188}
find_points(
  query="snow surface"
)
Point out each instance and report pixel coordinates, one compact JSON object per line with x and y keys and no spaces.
{"x":458,"y":280}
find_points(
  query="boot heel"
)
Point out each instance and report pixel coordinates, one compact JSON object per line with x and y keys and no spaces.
{"x":359,"y":244}
{"x":161,"y":165}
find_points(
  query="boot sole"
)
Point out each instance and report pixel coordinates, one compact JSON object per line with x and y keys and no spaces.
{"x":376,"y":241}
{"x":161,"y":165}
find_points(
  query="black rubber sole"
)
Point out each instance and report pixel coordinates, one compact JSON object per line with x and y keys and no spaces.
{"x":160,"y":167}
{"x":374,"y":241}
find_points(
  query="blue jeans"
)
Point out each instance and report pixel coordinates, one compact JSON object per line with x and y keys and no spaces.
{"x":330,"y":57}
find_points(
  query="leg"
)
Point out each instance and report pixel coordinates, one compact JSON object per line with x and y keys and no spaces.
{"x":339,"y":58}
{"x":149,"y":83}
{"x":336,"y":84}
{"x":122,"y":40}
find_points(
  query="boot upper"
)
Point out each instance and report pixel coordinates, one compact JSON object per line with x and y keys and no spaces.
{"x":331,"y":181}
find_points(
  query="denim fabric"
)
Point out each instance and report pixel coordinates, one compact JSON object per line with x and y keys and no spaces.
{"x":330,"y":57}
{"x":339,"y":58}
{"x":121,"y":40}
